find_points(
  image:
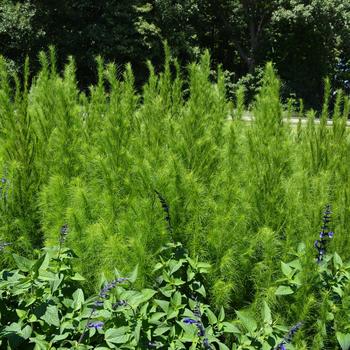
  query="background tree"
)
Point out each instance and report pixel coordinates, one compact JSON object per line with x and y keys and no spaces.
{"x":307,"y":40}
{"x":17,"y":33}
{"x":88,"y":28}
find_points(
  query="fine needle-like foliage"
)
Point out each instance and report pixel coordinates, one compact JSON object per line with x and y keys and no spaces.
{"x":241,"y":195}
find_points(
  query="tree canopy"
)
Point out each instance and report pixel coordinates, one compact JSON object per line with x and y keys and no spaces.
{"x":307,"y":40}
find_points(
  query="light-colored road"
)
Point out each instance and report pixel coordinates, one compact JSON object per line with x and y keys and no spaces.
{"x":248,"y":117}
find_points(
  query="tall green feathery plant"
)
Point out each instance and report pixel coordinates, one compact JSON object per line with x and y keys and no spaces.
{"x":242,"y":195}
{"x":20,"y":176}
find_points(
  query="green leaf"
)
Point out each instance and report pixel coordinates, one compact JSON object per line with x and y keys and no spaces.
{"x":203,"y":267}
{"x":51,"y":316}
{"x":156,"y":317}
{"x":144,"y":310}
{"x":338,"y":290}
{"x":248,"y":321}
{"x":211,"y":317}
{"x":147,"y":294}
{"x":190,"y":274}
{"x":105,"y":314}
{"x":223,"y":346}
{"x":138,"y":298}
{"x":57,"y":282}
{"x":164,"y":305}
{"x":172,"y":313}
{"x":158,"y":266}
{"x":26,"y":332}
{"x":42,"y":264}
{"x":12,"y":328}
{"x":78,"y":299}
{"x":301,"y":247}
{"x":284,"y":290}
{"x":40,"y":344}
{"x":178,"y":282}
{"x":137,"y":331}
{"x":230,"y":328}
{"x":23,"y":263}
{"x":161,"y":330}
{"x":287,"y":271}
{"x":174,"y":266}
{"x":329,"y":316}
{"x":32,"y":318}
{"x":167,"y":290}
{"x":59,"y":337}
{"x":190,"y":336}
{"x":296,"y":264}
{"x":23,"y":287}
{"x":338,"y":262}
{"x":221,"y":314}
{"x":77,"y":277}
{"x":30,"y":301}
{"x":344,"y":340}
{"x":201,"y":291}
{"x":266,"y":346}
{"x":133,"y":275}
{"x":266,"y":313}
{"x":117,"y":335}
{"x":21,"y":313}
{"x":176,"y":299}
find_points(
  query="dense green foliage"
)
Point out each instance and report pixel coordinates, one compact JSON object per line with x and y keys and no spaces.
{"x":242,"y":197}
{"x":44,"y":308}
{"x":308,"y":40}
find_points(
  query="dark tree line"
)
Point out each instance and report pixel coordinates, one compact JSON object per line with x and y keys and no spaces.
{"x":307,"y":40}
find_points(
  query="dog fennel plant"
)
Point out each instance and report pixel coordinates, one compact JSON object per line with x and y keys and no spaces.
{"x":242,"y":195}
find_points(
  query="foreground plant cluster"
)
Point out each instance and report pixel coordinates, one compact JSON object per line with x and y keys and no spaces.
{"x":236,"y":264}
{"x":45,"y":307}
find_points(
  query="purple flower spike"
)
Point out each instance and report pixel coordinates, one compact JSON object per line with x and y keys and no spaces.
{"x":288,"y":338}
{"x":188,"y":320}
{"x":96,"y":324}
{"x":200,"y":327}
{"x":120,"y":303}
{"x":325,"y":235}
{"x":106,"y":289}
